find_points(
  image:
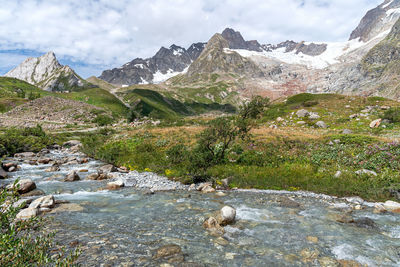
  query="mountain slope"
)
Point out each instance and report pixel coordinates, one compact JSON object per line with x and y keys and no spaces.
{"x":47,"y":73}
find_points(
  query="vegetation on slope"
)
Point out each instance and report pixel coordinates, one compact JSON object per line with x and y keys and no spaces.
{"x":153,"y":104}
{"x":14,"y":92}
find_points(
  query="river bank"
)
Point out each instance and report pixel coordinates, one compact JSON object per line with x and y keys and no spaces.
{"x":128,"y":227}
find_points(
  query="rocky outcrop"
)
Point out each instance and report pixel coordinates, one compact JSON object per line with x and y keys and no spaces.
{"x":236,"y":41}
{"x":47,"y":73}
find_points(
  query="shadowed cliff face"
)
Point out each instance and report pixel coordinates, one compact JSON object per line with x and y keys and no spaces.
{"x":376,"y":21}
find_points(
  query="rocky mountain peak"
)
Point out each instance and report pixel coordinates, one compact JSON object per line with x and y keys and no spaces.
{"x":46,"y":72}
{"x":236,"y":41}
{"x":377,"y":21}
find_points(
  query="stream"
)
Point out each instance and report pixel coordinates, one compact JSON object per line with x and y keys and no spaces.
{"x":126,"y":227}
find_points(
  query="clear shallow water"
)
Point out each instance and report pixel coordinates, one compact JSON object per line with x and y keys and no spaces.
{"x":126,"y":227}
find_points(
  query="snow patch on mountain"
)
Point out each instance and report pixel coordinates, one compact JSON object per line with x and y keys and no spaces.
{"x":332,"y":55}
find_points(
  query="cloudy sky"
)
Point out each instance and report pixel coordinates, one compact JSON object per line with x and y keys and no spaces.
{"x":93,"y":35}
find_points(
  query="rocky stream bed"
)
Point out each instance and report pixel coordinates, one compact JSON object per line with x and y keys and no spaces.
{"x":121,"y":218}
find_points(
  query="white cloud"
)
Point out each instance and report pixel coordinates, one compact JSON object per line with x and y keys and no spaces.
{"x":110,"y":33}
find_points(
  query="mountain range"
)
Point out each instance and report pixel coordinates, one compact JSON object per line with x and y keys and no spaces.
{"x":228,"y":68}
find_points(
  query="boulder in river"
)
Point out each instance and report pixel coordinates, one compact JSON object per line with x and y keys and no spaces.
{"x":208,"y":189}
{"x":23,"y":186}
{"x":226,"y":216}
{"x":392,"y":206}
{"x":3,"y":173}
{"x":108,"y":168}
{"x":27,"y":214}
{"x":115,"y":185}
{"x":43,"y":202}
{"x":72,"y":177}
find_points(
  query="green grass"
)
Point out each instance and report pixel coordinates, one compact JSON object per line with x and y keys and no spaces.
{"x":154,"y":104}
{"x":99,"y":98}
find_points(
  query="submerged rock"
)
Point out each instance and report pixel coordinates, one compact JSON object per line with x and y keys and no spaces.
{"x":171,"y":253}
{"x":67,"y":207}
{"x":212,"y":225}
{"x":33,"y":193}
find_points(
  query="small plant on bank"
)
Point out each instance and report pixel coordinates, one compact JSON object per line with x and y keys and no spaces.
{"x":21,"y":243}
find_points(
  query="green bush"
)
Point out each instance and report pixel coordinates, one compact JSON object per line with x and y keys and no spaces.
{"x":15,"y":140}
{"x":21,"y":243}
{"x":393,"y":115}
{"x":103,"y":120}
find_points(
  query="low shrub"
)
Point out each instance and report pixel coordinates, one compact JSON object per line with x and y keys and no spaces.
{"x":393,"y":115}
{"x":21,"y":243}
{"x":103,"y":120}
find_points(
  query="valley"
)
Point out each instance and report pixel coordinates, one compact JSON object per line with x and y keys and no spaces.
{"x":225,"y":153}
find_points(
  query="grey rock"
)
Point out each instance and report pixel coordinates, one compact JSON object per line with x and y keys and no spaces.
{"x":226,"y":216}
{"x":302,"y":113}
{"x":108,"y":168}
{"x":27,"y":214}
{"x":33,"y":193}
{"x":314,"y":116}
{"x":72,"y":177}
{"x":367,"y":172}
{"x":321,"y":124}
{"x":23,"y":186}
{"x":3,"y":173}
{"x":72,"y":143}
{"x":43,"y":202}
{"x":347,"y":131}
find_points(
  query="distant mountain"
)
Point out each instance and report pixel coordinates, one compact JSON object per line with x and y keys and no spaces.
{"x":377,"y":21}
{"x":166,"y":63}
{"x":47,"y":73}
{"x":229,"y":67}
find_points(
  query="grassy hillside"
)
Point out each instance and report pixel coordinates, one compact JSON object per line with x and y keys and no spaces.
{"x":101,"y":83}
{"x":14,"y":92}
{"x":154,"y":104}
